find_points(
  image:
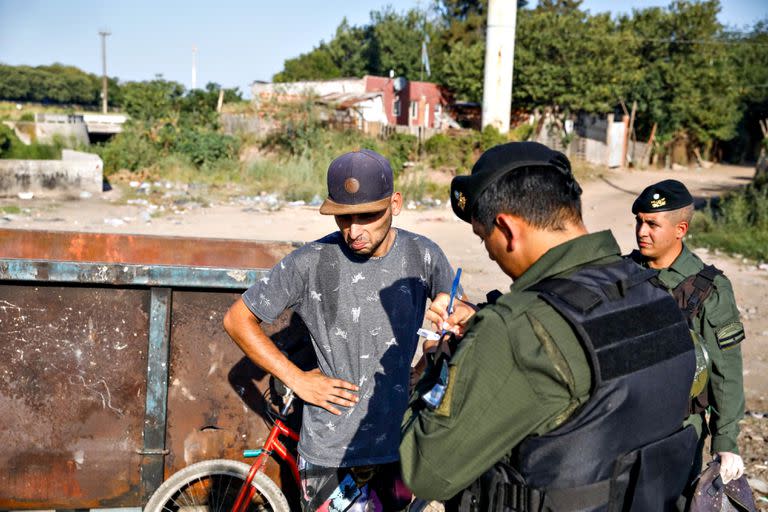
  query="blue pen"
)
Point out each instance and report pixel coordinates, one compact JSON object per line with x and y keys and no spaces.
{"x":454,"y":289}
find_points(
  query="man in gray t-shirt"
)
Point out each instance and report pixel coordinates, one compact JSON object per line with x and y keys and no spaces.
{"x":362,"y":293}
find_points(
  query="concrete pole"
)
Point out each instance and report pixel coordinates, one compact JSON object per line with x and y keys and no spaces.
{"x":194,"y":67}
{"x":499,"y":59}
{"x":104,"y":35}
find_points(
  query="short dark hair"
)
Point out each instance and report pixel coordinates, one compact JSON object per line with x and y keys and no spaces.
{"x":543,"y":196}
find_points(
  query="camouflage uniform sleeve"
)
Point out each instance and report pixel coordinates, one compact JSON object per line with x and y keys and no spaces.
{"x":723,"y":332}
{"x":491,"y":404}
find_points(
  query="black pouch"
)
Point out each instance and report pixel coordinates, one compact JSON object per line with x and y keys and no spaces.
{"x":647,"y":478}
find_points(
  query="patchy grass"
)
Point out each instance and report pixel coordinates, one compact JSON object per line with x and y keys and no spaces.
{"x":738,"y":224}
{"x":10,"y":209}
{"x":10,"y":112}
{"x":584,"y":171}
{"x":292,"y":162}
{"x":239,"y":107}
{"x":294,"y":179}
{"x":422,"y":184}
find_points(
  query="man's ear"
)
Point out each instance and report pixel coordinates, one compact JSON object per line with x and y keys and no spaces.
{"x":681,"y":229}
{"x":509,"y":227}
{"x":397,"y":203}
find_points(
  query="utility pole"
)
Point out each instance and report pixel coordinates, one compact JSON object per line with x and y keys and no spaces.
{"x":499,"y":58}
{"x":194,"y":67}
{"x":104,"y":35}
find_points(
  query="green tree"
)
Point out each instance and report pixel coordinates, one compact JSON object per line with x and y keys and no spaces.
{"x":750,"y":55}
{"x":349,"y":49}
{"x":56,"y":83}
{"x":395,"y":44}
{"x":152,"y":100}
{"x":391,"y":41}
{"x":567,"y":60}
{"x":463,"y":21}
{"x":317,"y":64}
{"x":462,"y":71}
{"x":688,"y":84}
{"x":14,"y":83}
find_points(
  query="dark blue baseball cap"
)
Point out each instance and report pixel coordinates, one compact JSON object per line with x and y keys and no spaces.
{"x":358,"y":182}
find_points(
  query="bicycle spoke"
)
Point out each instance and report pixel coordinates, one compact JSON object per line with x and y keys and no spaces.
{"x":176,"y":503}
{"x":226,"y":491}
{"x":224,"y":496}
{"x":217,"y":490}
{"x":218,"y":503}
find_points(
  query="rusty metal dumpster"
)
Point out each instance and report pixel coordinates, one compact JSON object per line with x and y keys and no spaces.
{"x":115,"y":371}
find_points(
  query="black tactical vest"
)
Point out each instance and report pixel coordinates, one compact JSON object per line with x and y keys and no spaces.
{"x":624,"y":449}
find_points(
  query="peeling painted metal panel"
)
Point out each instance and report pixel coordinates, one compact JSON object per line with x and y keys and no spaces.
{"x":216,"y":406}
{"x":78,"y":340}
{"x":127,"y":274}
{"x":72,"y":393}
{"x":140,"y":249}
{"x":157,"y":392}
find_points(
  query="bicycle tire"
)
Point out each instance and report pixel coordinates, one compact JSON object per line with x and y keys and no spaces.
{"x":198,"y":488}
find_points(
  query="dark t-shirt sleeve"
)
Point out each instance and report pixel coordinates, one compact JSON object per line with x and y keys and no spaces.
{"x":282,"y":288}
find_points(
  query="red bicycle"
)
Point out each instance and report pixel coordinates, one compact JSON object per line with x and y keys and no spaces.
{"x":227,"y":485}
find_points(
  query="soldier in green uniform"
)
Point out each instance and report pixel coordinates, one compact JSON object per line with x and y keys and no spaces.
{"x":663,"y":212}
{"x":530,"y":383}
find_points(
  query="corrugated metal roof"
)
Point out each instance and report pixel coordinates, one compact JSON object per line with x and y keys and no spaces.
{"x":346,"y":100}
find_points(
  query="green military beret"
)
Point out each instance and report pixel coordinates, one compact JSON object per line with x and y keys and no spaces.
{"x":662,"y":197}
{"x":497,"y":162}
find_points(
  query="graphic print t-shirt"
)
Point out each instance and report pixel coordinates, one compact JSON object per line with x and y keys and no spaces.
{"x":362,"y":314}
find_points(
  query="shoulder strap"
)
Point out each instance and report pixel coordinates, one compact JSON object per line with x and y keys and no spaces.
{"x":576,"y":295}
{"x":691,"y":293}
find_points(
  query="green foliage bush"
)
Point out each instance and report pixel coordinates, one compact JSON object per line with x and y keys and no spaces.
{"x":297,"y":137}
{"x":305,"y":135}
{"x":521,"y":132}
{"x":399,"y":148}
{"x":6,"y":139}
{"x":459,"y":152}
{"x":12,"y":148}
{"x":738,"y":224}
{"x":203,"y":148}
{"x":446,"y":151}
{"x":131,"y":150}
{"x":490,"y":137}
{"x":166,"y":122}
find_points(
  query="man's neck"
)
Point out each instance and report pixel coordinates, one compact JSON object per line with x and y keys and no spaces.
{"x":544,"y":240}
{"x":666,"y":260}
{"x":386,"y":244}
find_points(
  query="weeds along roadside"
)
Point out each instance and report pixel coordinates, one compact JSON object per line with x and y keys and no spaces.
{"x":736,"y":224}
{"x":290,"y":162}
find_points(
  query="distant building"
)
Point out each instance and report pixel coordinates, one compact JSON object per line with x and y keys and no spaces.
{"x":371,"y":99}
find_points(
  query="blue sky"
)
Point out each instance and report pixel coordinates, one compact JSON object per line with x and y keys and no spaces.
{"x":237,"y":42}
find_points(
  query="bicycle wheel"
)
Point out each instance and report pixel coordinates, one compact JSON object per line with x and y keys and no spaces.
{"x":213,"y":485}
